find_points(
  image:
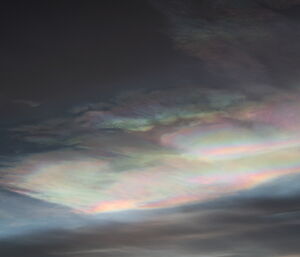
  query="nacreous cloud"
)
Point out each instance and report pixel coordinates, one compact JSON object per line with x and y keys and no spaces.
{"x":156,"y":150}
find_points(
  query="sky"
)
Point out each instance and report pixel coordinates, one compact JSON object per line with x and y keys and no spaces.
{"x":150,"y":128}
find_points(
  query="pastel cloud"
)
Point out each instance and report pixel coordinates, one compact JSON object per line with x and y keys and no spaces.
{"x":180,"y":159}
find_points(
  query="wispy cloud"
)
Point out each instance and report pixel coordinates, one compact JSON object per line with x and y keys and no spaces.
{"x":27,"y":102}
{"x":193,"y":148}
{"x":200,"y":170}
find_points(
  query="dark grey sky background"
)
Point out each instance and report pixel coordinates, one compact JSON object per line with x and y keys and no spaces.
{"x":66,"y":52}
{"x":97,"y":48}
{"x":95,"y":93}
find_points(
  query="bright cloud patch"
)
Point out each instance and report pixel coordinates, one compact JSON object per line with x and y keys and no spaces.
{"x":178,"y":159}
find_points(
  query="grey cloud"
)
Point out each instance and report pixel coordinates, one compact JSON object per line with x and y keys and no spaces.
{"x":129,"y":111}
{"x":27,"y":102}
{"x":233,"y":226}
{"x":246,"y":43}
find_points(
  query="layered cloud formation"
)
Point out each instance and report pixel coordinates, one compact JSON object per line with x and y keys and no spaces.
{"x":208,"y":168}
{"x":159,"y":150}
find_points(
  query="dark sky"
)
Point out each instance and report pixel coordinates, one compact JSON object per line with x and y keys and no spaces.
{"x":71,"y":51}
{"x":150,"y":128}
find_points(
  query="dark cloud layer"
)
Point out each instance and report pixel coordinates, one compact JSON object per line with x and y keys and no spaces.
{"x":250,"y":44}
{"x":236,"y":226}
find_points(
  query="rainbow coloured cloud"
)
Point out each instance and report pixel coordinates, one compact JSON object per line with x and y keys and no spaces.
{"x":182,"y":161}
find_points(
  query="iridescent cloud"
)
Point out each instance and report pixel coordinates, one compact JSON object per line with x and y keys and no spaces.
{"x":179,"y":159}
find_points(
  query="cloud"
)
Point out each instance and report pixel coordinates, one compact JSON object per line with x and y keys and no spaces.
{"x":198,"y":145}
{"x":181,"y":171}
{"x":240,"y":225}
{"x":26,"y":102}
{"x":239,"y":42}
